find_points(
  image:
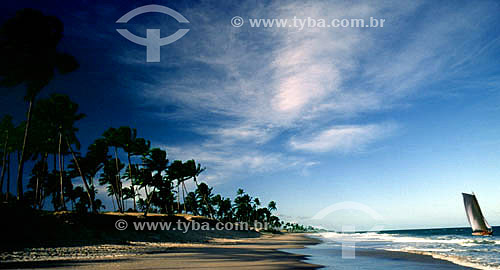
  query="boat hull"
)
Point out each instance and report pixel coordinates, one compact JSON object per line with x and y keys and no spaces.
{"x":482,"y":233}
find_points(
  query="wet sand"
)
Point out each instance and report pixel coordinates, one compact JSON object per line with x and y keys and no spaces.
{"x":374,"y":259}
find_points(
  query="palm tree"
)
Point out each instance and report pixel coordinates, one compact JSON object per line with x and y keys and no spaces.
{"x":88,"y":166}
{"x":177,"y":172}
{"x":113,"y":139}
{"x":193,"y":170}
{"x":125,"y":137}
{"x":97,"y":154}
{"x":192,"y":203}
{"x":38,"y":181}
{"x":52,"y":188}
{"x":243,"y":206}
{"x":108,"y":177}
{"x":6,"y":129}
{"x":57,"y":116}
{"x":28,"y":49}
{"x":155,"y":164}
{"x":14,"y":145}
{"x":224,"y":211}
{"x":143,"y":179}
{"x":80,"y":200}
{"x":133,"y":146}
{"x":204,"y":192}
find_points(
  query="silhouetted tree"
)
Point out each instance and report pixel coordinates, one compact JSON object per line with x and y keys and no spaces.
{"x":155,"y":163}
{"x":28,"y":49}
{"x":6,"y":130}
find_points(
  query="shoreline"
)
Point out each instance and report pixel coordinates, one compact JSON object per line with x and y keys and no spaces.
{"x":379,"y":258}
{"x":268,"y":251}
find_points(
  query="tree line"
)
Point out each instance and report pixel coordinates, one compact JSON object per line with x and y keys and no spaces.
{"x":126,"y":165}
{"x":120,"y":161}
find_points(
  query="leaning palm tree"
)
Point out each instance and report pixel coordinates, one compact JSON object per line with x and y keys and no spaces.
{"x":56,"y":117}
{"x":125,"y":137}
{"x":88,"y":166}
{"x":133,"y":146}
{"x":113,"y":139}
{"x":28,"y":49}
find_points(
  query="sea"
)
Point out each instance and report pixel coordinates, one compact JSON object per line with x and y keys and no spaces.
{"x":455,"y":245}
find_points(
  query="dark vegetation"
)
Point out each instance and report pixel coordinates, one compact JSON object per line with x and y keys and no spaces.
{"x":44,"y":151}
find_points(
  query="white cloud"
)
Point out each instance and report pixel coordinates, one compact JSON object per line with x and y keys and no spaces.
{"x":343,"y":138}
{"x":245,"y":87}
{"x":224,"y":162}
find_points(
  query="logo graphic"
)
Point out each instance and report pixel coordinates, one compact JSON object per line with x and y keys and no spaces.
{"x":349,"y":243}
{"x":237,"y":21}
{"x":153,"y":41}
{"x":121,"y":224}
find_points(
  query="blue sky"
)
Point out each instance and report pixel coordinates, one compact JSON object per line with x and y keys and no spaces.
{"x":401,"y":118}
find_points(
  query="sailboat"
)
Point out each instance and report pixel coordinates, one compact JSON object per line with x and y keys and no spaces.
{"x":476,"y":219}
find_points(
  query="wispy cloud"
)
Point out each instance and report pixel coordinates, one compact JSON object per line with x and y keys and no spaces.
{"x":223,"y":162}
{"x":247,"y":88}
{"x":343,"y":138}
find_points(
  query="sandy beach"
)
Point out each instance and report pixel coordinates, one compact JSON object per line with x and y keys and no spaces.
{"x":269,"y":251}
{"x":249,"y":253}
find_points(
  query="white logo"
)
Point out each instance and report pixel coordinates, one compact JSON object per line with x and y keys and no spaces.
{"x":348,"y":243}
{"x":121,"y":224}
{"x":153,"y":41}
{"x":237,"y":21}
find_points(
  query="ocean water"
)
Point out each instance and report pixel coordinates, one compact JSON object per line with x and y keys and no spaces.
{"x":456,"y":245}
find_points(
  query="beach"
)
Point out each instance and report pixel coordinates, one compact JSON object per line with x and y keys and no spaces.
{"x":263,"y":252}
{"x":408,"y":249}
{"x":269,"y":251}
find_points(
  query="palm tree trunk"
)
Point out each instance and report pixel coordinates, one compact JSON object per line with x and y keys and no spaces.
{"x":204,"y":198}
{"x":4,"y":160}
{"x":178,"y":197}
{"x":39,"y":190}
{"x":148,"y":203}
{"x":131,"y":181}
{"x":90,"y":193}
{"x":184,"y":197}
{"x":146,"y":190}
{"x":8,"y":178}
{"x":118,"y":182}
{"x":20,"y":168}
{"x":35,"y":201}
{"x":113,"y":190}
{"x":61,"y":187}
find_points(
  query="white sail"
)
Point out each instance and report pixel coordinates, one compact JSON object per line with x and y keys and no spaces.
{"x":474,"y":214}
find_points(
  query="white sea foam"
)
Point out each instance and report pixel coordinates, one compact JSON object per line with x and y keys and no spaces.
{"x":463,"y":261}
{"x":479,"y":253}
